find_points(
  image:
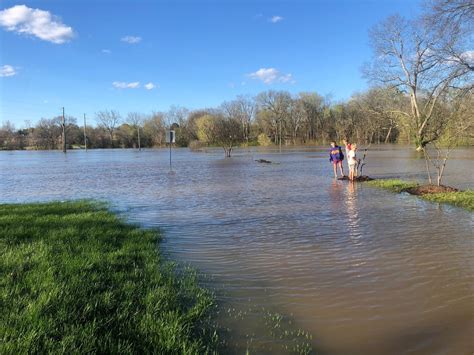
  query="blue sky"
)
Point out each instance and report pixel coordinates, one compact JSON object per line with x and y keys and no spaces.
{"x":148,"y":55}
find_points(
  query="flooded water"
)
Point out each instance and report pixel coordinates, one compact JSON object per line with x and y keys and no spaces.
{"x":298,"y":260}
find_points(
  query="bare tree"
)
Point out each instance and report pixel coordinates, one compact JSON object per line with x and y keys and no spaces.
{"x":242,"y":109}
{"x":277,"y":104}
{"x":406,"y":57}
{"x":227,"y":133}
{"x":135,"y":120}
{"x":312,"y":106}
{"x":109,"y":120}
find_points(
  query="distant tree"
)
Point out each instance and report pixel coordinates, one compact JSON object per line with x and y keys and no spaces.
{"x":7,"y":136}
{"x":242,"y":109}
{"x":109,"y":121}
{"x":135,"y":120}
{"x":206,"y":128}
{"x":227,"y":133}
{"x":312,"y":106}
{"x":276,"y":105}
{"x":154,"y":128}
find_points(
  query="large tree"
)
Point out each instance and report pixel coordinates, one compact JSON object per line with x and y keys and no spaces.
{"x":407,"y":55}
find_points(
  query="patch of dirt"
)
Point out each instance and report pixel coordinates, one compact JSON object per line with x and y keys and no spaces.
{"x":429,"y":189}
{"x":357,"y":179}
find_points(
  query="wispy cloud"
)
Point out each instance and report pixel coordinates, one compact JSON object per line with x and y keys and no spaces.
{"x":131,"y":39}
{"x":106,"y":51}
{"x":271,"y":75}
{"x":275,"y":19}
{"x":35,"y":22}
{"x":124,"y":85}
{"x":7,"y":70}
{"x":150,"y":86}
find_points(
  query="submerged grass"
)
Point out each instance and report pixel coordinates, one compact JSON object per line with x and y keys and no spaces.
{"x":394,"y":185}
{"x":463,"y":199}
{"x":74,"y":278}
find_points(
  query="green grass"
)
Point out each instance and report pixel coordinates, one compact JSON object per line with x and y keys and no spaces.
{"x":74,"y":278}
{"x":463,"y":199}
{"x":394,"y":185}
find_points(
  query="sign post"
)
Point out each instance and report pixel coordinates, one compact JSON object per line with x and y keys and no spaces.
{"x":170,"y":138}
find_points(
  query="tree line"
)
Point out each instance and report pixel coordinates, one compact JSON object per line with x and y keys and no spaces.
{"x":379,"y":115}
{"x":421,"y":93}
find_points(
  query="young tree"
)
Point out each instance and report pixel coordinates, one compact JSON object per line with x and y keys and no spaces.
{"x":459,"y":130}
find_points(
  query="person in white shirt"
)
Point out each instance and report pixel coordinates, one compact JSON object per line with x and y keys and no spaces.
{"x":352,"y":161}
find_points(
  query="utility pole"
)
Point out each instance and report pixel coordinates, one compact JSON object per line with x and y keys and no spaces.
{"x":64,"y":132}
{"x":85,"y":136}
{"x":139,"y":145}
{"x":280,"y":133}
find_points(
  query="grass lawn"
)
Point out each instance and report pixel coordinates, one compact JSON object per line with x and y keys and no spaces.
{"x":76,"y":279}
{"x":464,"y":199}
{"x":394,"y":185}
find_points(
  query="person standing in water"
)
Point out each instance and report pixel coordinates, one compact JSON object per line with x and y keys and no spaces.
{"x":336,"y":157}
{"x":348,"y":147}
{"x":352,"y":161}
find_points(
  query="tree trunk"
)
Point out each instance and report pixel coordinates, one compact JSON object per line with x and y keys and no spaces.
{"x":388,"y":135}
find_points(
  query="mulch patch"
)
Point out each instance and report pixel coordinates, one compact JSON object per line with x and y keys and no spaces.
{"x":429,"y":189}
{"x":357,"y":179}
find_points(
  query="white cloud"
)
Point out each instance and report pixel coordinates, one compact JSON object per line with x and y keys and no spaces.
{"x":150,"y":86}
{"x":106,"y":51}
{"x":131,"y":39}
{"x":468,"y":56}
{"x":275,"y":19}
{"x":271,"y":75}
{"x":7,"y":70}
{"x":124,"y":85}
{"x":42,"y":24}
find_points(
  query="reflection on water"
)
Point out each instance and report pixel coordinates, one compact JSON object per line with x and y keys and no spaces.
{"x":297,"y":258}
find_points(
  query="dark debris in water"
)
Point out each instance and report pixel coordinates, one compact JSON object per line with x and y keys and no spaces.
{"x":264,"y":161}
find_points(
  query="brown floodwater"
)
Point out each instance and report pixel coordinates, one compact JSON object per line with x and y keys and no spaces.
{"x":299,"y":262}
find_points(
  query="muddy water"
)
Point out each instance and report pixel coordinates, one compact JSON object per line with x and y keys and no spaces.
{"x":298,"y":261}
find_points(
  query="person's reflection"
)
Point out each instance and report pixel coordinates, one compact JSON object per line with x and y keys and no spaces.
{"x":353,"y":220}
{"x":336,"y":195}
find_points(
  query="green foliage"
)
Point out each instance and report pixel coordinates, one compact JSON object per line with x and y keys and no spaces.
{"x":263,"y":140}
{"x":76,"y":279}
{"x":205,"y":127}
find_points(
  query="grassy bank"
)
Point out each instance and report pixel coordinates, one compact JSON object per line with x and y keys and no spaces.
{"x":76,"y":279}
{"x":464,"y":199}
